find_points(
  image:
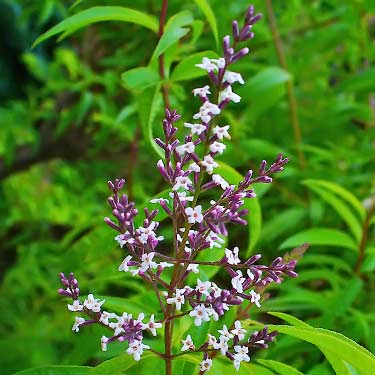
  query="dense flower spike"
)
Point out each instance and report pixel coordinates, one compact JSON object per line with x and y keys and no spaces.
{"x":190,"y":168}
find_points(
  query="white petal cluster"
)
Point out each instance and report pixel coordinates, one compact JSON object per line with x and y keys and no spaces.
{"x":202,"y":91}
{"x":211,"y":65}
{"x":221,"y":132}
{"x":178,"y":299}
{"x":238,"y":281}
{"x":228,"y":94}
{"x":194,"y":214}
{"x":209,"y":163}
{"x":188,"y":148}
{"x":218,"y":180}
{"x":206,"y":111}
{"x":187,"y":344}
{"x":92,"y":303}
{"x":182,"y":182}
{"x":232,"y":77}
{"x":232,"y":256}
{"x":197,"y":129}
{"x":136,"y":349}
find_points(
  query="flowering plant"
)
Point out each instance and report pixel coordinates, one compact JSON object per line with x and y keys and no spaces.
{"x":198,"y":226}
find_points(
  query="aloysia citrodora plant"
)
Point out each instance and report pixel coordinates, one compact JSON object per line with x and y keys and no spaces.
{"x":199,"y":225}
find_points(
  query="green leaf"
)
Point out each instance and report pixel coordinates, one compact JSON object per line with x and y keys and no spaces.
{"x":99,"y":14}
{"x":186,"y":68}
{"x":289,"y":319}
{"x":363,"y":81}
{"x":281,"y":223}
{"x":265,"y":90}
{"x":56,"y":370}
{"x":210,"y":15}
{"x":340,"y":191}
{"x":321,"y":237}
{"x":340,"y":207}
{"x":254,"y":218}
{"x":149,"y":105}
{"x":173,"y":31}
{"x":336,"y":344}
{"x":280,"y":368}
{"x":118,"y":364}
{"x":368,"y":264}
{"x":140,"y":78}
{"x":266,"y":79}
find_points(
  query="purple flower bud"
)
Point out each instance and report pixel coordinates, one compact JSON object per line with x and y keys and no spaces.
{"x":241,"y":53}
{"x":235,"y":31}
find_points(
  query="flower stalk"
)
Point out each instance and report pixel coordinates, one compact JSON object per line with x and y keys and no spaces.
{"x":198,"y":226}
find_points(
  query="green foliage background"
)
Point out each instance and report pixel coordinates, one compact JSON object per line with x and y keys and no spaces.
{"x":78,"y":112}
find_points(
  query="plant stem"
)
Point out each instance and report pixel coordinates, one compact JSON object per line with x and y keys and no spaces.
{"x":164,"y":89}
{"x":289,"y":84}
{"x":365,"y":230}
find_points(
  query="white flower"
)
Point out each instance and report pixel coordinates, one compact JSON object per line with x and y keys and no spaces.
{"x":159,"y":200}
{"x":213,"y":313}
{"x":197,"y":129}
{"x":222,"y":345}
{"x":209,"y":163}
{"x":218,"y":180}
{"x":188,"y":147}
{"x":217,"y":291}
{"x":92,"y":303}
{"x":194,"y":214}
{"x":147,"y":261}
{"x":136,"y":349}
{"x":182,"y":196}
{"x":211,"y":64}
{"x":238,"y":330}
{"x":250,"y":274}
{"x":225,"y":333}
{"x":122,"y":241}
{"x":192,"y":267}
{"x":118,"y":326}
{"x":182,"y":182}
{"x":200,"y":313}
{"x":219,"y":62}
{"x":76,"y":306}
{"x":214,"y":240}
{"x":206,"y":110}
{"x":238,"y":281}
{"x":165,"y":265}
{"x":178,"y":299}
{"x":187,"y":344}
{"x":240,"y":356}
{"x":203,"y":287}
{"x":151,"y":325}
{"x":207,"y":64}
{"x":221,"y":132}
{"x":255,"y":298}
{"x":194,"y":167}
{"x":227,"y":93}
{"x":232,"y":77}
{"x":202,"y":91}
{"x":105,"y":316}
{"x":148,"y":232}
{"x":104,"y":341}
{"x":232,"y":256}
{"x":206,"y":364}
{"x":211,"y":340}
{"x":124,"y":265}
{"x":77,"y":323}
{"x":217,"y":147}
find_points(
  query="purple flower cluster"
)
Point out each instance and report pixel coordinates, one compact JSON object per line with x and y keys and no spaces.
{"x":190,"y":169}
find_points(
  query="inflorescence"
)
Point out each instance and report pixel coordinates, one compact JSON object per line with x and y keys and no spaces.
{"x":189,"y":169}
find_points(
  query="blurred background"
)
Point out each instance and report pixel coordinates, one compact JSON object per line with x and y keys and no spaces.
{"x":77,"y":112}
